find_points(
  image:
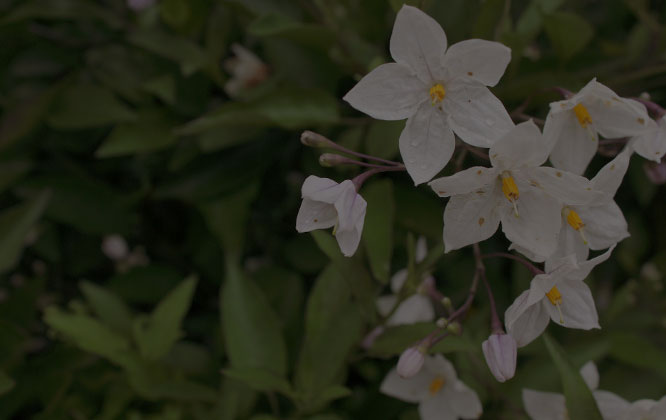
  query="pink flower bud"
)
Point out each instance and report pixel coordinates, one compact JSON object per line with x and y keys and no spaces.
{"x":500,"y":351}
{"x":410,"y":362}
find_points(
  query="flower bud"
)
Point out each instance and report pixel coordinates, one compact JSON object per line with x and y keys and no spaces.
{"x":446,"y":302}
{"x":331,"y":159}
{"x":312,"y":139}
{"x":442,"y":322}
{"x":500,"y":351}
{"x":411,"y":361}
{"x":454,"y":328}
{"x":114,"y":247}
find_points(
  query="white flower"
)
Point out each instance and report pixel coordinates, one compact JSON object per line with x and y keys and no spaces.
{"x":525,"y":197}
{"x":115,"y":247}
{"x":552,"y":406}
{"x":246,"y":70}
{"x":437,"y":390}
{"x":613,"y":407}
{"x":561,"y":295}
{"x":572,"y":125}
{"x":597,"y":225}
{"x":440,"y":91}
{"x":652,"y":144}
{"x":416,"y":308}
{"x":326,"y":204}
{"x":500,"y":351}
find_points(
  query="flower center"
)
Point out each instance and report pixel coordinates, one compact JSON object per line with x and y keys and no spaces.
{"x":555,"y":299}
{"x":510,"y":190}
{"x":573,"y":219}
{"x":583,"y":116}
{"x":435,"y":385}
{"x":437,"y":93}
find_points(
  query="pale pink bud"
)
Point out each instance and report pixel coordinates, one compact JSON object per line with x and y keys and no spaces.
{"x":312,"y":139}
{"x":410,"y":362}
{"x":331,"y":159}
{"x":114,"y":247}
{"x":500,"y":351}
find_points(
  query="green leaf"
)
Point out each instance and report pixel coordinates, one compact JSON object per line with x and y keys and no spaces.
{"x":568,"y":32}
{"x":87,"y":106}
{"x":19,"y":121}
{"x":156,"y":334}
{"x":382,"y":138}
{"x":638,"y":352}
{"x":88,"y":334}
{"x":107,"y":306}
{"x":279,"y":25}
{"x":6,"y":383}
{"x":15,"y":224}
{"x":164,"y":87}
{"x":61,"y":10}
{"x":288,"y":108}
{"x":12,"y":171}
{"x":260,"y":380}
{"x":333,"y":326}
{"x":327,"y":243}
{"x":189,"y":55}
{"x":378,"y":230}
{"x":330,"y":394}
{"x":251,"y":329}
{"x":151,"y":132}
{"x":579,"y":399}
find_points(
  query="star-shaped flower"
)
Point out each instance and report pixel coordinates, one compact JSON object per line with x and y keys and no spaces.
{"x":517,"y":191}
{"x":437,"y":390}
{"x":559,"y":294}
{"x":652,"y":144}
{"x":572,"y":125}
{"x":439,"y":91}
{"x":329,"y":204}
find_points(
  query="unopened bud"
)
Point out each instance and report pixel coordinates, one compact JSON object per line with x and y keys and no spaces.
{"x":114,"y":247}
{"x":454,"y":328}
{"x":500,"y":351}
{"x":411,"y":361}
{"x":331,"y":159}
{"x":312,"y":139}
{"x":442,"y":322}
{"x":446,"y":302}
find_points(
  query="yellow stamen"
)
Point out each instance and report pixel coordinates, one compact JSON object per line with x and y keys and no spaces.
{"x":437,"y":93}
{"x":510,"y":190}
{"x":573,"y":219}
{"x":435,"y":385}
{"x":583,"y":116}
{"x":555,"y":299}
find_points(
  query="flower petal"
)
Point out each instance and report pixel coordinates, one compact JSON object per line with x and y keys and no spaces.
{"x":577,"y":308}
{"x":583,"y":269}
{"x":437,"y":408}
{"x":522,"y":146}
{"x":570,"y":242}
{"x":439,"y":365}
{"x":384,"y":304}
{"x":544,"y":405}
{"x":398,"y":280}
{"x":566,"y":187}
{"x":612,"y":406}
{"x":609,"y":178}
{"x":611,"y":115}
{"x":538,"y":222}
{"x":525,"y":321}
{"x":652,"y":144}
{"x":426,"y":143}
{"x":412,"y":389}
{"x":465,"y":181}
{"x":572,"y":146}
{"x":479,"y":59}
{"x":351,"y":207}
{"x":389,"y":92}
{"x":590,"y":375}
{"x":418,"y":42}
{"x":315,"y":215}
{"x":416,"y":308}
{"x":604,"y":225}
{"x":464,"y":401}
{"x":475,"y":114}
{"x":472,"y":217}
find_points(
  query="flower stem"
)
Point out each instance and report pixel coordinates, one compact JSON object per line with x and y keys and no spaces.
{"x":330,"y":143}
{"x":360,"y":179}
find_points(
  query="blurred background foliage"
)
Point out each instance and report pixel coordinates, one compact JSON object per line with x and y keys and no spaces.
{"x":116,"y":121}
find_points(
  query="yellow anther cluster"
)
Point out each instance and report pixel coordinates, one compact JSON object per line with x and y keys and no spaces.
{"x":437,"y":93}
{"x":435,"y":385}
{"x":554,"y":296}
{"x":574,"y":219}
{"x":583,"y":116}
{"x":509,"y":187}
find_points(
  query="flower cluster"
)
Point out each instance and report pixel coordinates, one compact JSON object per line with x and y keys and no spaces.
{"x":550,"y":214}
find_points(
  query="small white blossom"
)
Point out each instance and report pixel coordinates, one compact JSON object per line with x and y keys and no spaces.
{"x":559,"y":294}
{"x":115,"y":247}
{"x":501,"y":351}
{"x":417,"y":307}
{"x":517,"y":191}
{"x":437,"y":390}
{"x":573,"y":125}
{"x":652,"y":144}
{"x":329,"y":204}
{"x":246,"y":70}
{"x":614,"y":407}
{"x":439,"y":91}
